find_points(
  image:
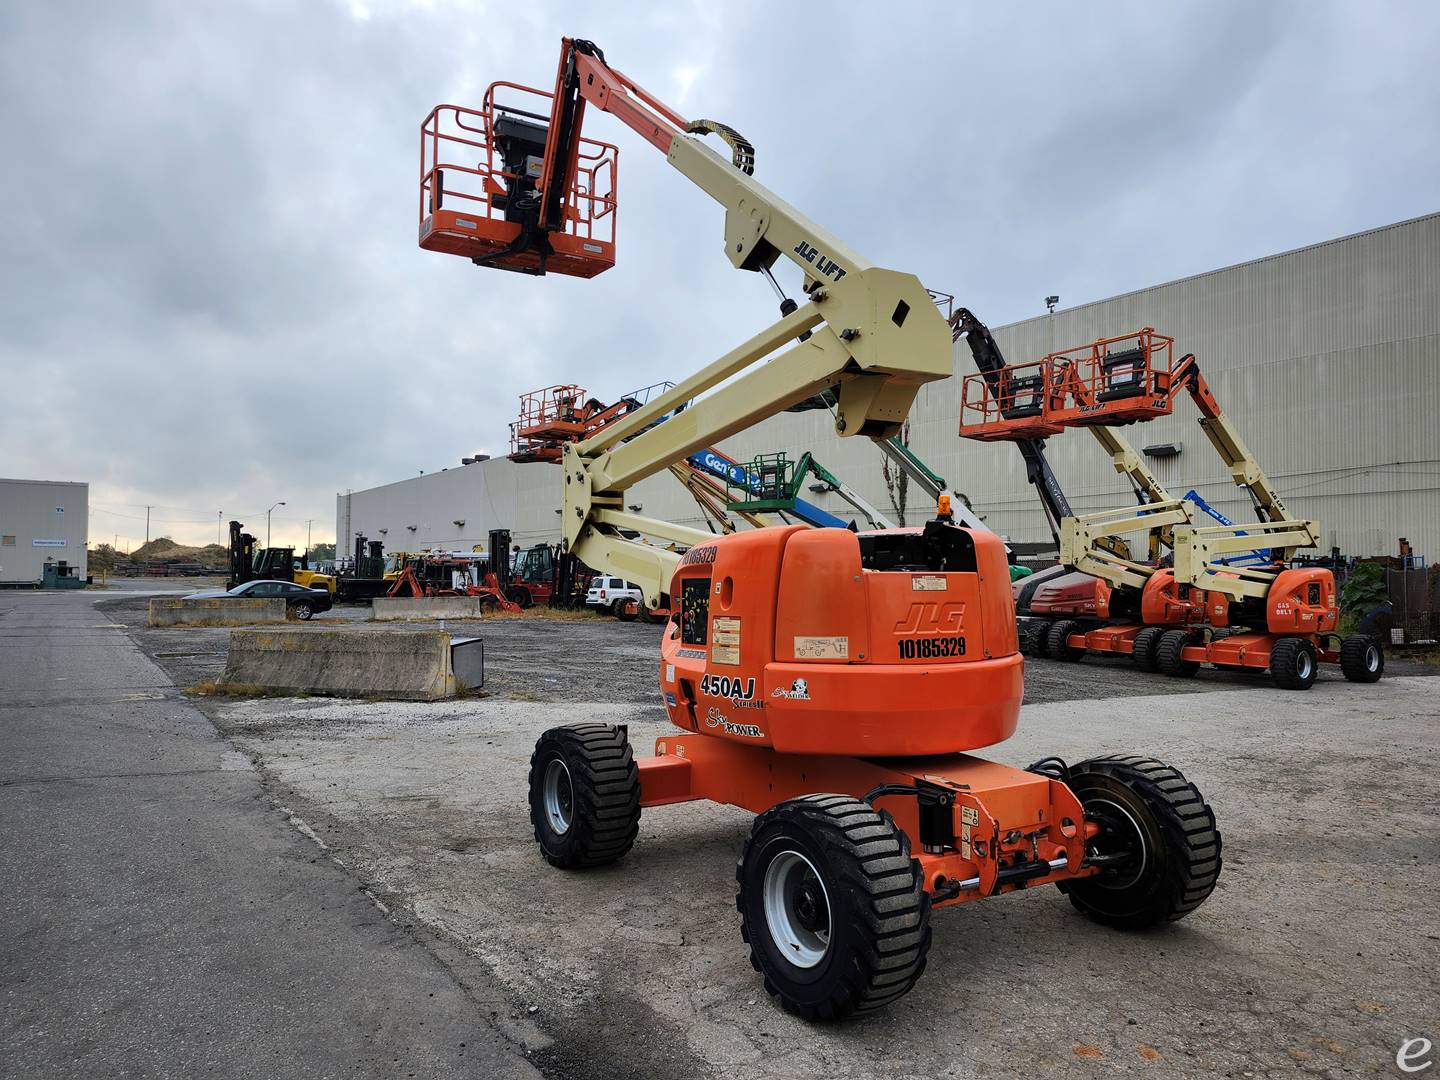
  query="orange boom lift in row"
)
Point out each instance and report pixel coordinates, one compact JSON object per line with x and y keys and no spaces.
{"x":833,"y":683}
{"x":1273,"y":617}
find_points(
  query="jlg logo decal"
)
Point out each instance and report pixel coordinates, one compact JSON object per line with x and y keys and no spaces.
{"x":824,"y":265}
{"x":929,"y":617}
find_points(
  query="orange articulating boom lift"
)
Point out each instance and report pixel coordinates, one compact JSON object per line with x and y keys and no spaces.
{"x":833,"y":683}
{"x":1203,"y":610}
{"x":1099,"y":598}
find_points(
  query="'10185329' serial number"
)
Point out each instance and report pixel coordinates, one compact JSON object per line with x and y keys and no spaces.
{"x":931,"y":647}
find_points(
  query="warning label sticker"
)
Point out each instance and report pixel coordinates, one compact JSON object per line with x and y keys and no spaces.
{"x":822,"y":648}
{"x":969,"y":815}
{"x":725,"y":640}
{"x":928,"y":583}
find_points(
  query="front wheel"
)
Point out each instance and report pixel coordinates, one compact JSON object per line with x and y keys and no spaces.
{"x":584,"y":795}
{"x":1032,"y":638}
{"x":1146,"y":646}
{"x":302,"y":610}
{"x":1170,"y":655}
{"x":1361,"y":659}
{"x":832,"y":906}
{"x":1157,"y":841}
{"x":1057,"y":641}
{"x":1293,"y":664}
{"x":626,"y":610}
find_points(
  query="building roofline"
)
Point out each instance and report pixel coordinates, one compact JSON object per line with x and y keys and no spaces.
{"x":47,"y":483}
{"x":1232,"y":266}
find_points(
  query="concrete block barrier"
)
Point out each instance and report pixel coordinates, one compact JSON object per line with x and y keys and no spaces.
{"x":215,"y":611}
{"x":386,"y":608}
{"x":404,"y":665}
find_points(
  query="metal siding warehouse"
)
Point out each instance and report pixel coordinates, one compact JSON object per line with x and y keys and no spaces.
{"x":40,"y":520}
{"x":1327,"y":358}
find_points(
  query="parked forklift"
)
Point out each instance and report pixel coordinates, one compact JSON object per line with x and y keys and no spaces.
{"x":364,"y":579}
{"x":251,"y":563}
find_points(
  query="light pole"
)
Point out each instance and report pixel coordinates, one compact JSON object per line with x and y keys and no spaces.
{"x":308,"y":523}
{"x":267,"y":521}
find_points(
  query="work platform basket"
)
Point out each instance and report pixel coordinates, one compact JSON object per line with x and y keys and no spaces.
{"x":1110,"y":381}
{"x":481,"y":188}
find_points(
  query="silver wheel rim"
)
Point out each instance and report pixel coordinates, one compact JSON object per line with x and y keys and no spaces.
{"x":793,"y":893}
{"x":559,"y":797}
{"x":1104,"y":880}
{"x":1372,"y":659}
{"x":1304,"y":665}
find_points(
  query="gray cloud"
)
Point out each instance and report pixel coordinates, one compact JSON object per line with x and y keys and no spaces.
{"x":211,"y":297}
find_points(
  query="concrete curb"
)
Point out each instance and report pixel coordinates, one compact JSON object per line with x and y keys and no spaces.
{"x":385,"y":608}
{"x":403,"y":665}
{"x":215,"y":611}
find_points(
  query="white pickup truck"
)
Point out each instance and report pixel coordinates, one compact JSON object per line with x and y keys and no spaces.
{"x":609,"y":594}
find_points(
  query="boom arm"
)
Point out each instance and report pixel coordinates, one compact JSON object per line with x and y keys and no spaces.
{"x":990,"y":362}
{"x":873,"y":332}
{"x":1200,"y":553}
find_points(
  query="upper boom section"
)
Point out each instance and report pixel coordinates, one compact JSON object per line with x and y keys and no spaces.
{"x":870,"y":332}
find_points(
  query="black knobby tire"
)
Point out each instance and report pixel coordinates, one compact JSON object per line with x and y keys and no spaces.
{"x":1293,"y":663}
{"x":302,"y":610}
{"x":1032,"y":638}
{"x":584,"y":795}
{"x":1149,"y":809}
{"x":1361,"y":658}
{"x":1170,"y":655}
{"x":835,"y":852}
{"x":519,"y":596}
{"x":626,"y":610}
{"x":1033,"y":644}
{"x":1147,"y":644}
{"x":1057,"y":638}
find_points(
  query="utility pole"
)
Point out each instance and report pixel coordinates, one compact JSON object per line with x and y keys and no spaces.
{"x":308,"y":523}
{"x":147,"y":524}
{"x":220,"y":527}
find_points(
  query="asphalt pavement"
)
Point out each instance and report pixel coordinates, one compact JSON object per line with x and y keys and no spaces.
{"x":167,"y":916}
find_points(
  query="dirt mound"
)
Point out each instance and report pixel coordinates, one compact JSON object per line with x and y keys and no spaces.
{"x":163,"y":549}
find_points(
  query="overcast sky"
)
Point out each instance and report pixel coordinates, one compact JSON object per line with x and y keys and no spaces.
{"x":211,"y":296}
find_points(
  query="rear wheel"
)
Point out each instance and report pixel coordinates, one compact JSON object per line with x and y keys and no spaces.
{"x":1157,"y":840}
{"x":1293,"y":663}
{"x":584,"y":795}
{"x":626,"y":610}
{"x":1170,"y":655}
{"x":519,"y":596}
{"x":1147,"y":642}
{"x":1361,"y":659}
{"x":1057,"y":641}
{"x":1032,"y":637}
{"x":832,"y":906}
{"x":302,"y":610}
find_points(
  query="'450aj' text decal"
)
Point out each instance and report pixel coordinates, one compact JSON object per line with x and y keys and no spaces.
{"x":739,"y":690}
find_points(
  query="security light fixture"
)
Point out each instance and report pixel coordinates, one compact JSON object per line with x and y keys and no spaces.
{"x":1050,"y":302}
{"x":1163,"y":450}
